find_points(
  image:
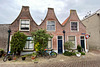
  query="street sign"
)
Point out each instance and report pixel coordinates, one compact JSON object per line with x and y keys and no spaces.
{"x":86,"y":36}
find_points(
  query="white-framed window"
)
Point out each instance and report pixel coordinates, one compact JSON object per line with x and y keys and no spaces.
{"x":29,"y":43}
{"x":72,"y":39}
{"x":74,"y":26}
{"x":24,"y":25}
{"x":50,"y":25}
{"x":49,"y":43}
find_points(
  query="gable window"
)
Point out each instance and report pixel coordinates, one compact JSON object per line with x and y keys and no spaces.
{"x":49,"y":43}
{"x":74,"y":26}
{"x":50,"y":25}
{"x":24,"y":25}
{"x":72,"y":39}
{"x":29,"y":44}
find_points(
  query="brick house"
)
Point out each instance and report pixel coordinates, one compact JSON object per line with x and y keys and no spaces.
{"x":72,"y":27}
{"x":25,"y":23}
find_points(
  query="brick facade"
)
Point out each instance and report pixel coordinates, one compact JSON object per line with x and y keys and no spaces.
{"x":25,"y":14}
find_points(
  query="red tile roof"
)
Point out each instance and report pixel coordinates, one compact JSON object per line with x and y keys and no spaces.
{"x":65,"y":21}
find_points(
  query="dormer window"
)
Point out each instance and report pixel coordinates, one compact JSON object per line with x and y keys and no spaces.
{"x":50,"y":25}
{"x":24,"y":25}
{"x":74,"y":26}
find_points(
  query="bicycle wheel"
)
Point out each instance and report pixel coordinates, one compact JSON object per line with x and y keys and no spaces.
{"x":46,"y":55}
{"x":53,"y":54}
{"x":5,"y":59}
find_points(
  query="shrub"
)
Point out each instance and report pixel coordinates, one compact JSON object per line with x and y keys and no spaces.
{"x":68,"y":45}
{"x":18,"y":42}
{"x":67,"y":53}
{"x":79,"y":48}
{"x":41,"y":39}
{"x":82,"y":53}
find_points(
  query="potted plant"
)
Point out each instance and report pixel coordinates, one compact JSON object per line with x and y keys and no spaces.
{"x":23,"y":57}
{"x":33,"y":56}
{"x":9,"y":58}
{"x":14,"y":58}
{"x":78,"y":54}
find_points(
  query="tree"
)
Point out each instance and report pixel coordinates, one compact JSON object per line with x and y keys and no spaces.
{"x":41,"y":39}
{"x":18,"y":42}
{"x":68,"y":45}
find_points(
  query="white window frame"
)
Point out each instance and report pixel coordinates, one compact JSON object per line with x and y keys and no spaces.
{"x":20,"y":25}
{"x":77,"y":26}
{"x":51,"y":43}
{"x":47,"y":23}
{"x":75,"y":41}
{"x":29,"y":48}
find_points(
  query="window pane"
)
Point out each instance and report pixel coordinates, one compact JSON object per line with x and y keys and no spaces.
{"x":51,"y":25}
{"x":74,"y":26}
{"x":31,"y":45}
{"x":49,"y":44}
{"x":71,"y":38}
{"x":26,"y":45}
{"x":24,"y":25}
{"x":82,"y":37}
{"x":59,"y":37}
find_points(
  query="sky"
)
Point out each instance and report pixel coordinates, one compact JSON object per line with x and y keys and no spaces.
{"x":10,"y":9}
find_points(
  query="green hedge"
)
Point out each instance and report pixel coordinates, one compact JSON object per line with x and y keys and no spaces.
{"x":82,"y":53}
{"x":67,"y":53}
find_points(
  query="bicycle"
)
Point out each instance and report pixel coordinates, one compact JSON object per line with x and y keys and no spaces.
{"x":43,"y":54}
{"x":7,"y":57}
{"x":52,"y":53}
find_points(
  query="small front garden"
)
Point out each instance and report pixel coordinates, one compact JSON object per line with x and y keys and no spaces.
{"x":73,"y":52}
{"x":18,"y":41}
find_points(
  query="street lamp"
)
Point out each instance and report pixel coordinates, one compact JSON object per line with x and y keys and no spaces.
{"x":8,"y":40}
{"x":64,"y":35}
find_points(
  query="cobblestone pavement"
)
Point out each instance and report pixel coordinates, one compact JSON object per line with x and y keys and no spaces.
{"x":91,"y":59}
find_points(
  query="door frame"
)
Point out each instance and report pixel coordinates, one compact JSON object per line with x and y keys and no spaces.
{"x":62,"y":44}
{"x":84,"y":42}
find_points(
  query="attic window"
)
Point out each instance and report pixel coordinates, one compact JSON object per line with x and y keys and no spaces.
{"x":74,"y":26}
{"x":50,"y":25}
{"x":24,"y":25}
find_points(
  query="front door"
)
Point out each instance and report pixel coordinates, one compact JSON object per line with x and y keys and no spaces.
{"x":59,"y":44}
{"x":82,"y":38}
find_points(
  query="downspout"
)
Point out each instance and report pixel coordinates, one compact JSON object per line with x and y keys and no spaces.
{"x":8,"y":40}
{"x":64,"y":35}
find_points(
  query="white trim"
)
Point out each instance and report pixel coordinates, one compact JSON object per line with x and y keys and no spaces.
{"x":62,"y":44}
{"x":20,"y":25}
{"x":75,"y":41}
{"x":77,"y":26}
{"x":46,"y":25}
{"x":84,"y":41}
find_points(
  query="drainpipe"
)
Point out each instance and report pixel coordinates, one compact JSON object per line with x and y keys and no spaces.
{"x":8,"y":40}
{"x":64,"y":35}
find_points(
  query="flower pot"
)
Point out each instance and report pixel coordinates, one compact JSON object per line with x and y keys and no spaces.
{"x":32,"y":58}
{"x":23,"y":58}
{"x":14,"y":58}
{"x":78,"y":55}
{"x":9,"y":59}
{"x":0,"y":55}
